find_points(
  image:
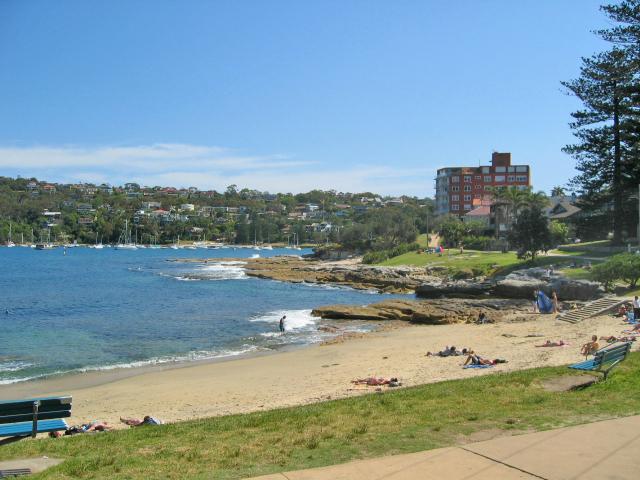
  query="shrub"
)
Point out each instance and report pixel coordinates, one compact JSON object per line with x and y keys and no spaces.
{"x":477,"y":242}
{"x":625,"y":266}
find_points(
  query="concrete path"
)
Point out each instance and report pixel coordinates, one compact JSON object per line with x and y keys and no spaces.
{"x":36,"y":465}
{"x":601,"y":450}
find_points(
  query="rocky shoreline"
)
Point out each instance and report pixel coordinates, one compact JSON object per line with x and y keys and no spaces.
{"x":449,"y":301}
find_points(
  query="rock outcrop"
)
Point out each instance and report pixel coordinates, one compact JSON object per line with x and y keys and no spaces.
{"x":522,"y":283}
{"x":433,"y":312}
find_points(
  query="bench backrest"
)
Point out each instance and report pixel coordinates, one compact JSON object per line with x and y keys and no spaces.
{"x":12,"y":411}
{"x":611,"y":354}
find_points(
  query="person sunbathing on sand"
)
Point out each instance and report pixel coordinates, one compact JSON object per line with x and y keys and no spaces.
{"x":448,"y":352}
{"x":135,"y":422}
{"x":475,"y":359}
{"x":373,"y":381}
{"x":549,"y":343}
{"x":612,"y":339}
{"x":591,"y":347}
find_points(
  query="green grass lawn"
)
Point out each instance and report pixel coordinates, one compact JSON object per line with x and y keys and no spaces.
{"x":488,"y":262}
{"x":406,"y":420}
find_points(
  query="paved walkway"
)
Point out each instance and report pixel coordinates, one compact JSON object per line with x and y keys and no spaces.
{"x":602,"y":450}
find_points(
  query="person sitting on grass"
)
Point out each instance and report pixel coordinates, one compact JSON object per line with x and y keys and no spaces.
{"x":591,"y":347}
{"x":475,"y":359}
{"x":136,"y":422}
{"x":549,"y":343}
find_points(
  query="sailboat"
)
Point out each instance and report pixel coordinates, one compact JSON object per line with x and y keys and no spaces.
{"x":97,"y":245}
{"x":9,"y":242}
{"x":124,"y":242}
{"x":45,"y":245}
{"x":176,"y":245}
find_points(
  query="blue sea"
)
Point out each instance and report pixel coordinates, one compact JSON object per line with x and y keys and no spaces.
{"x":103,"y":309}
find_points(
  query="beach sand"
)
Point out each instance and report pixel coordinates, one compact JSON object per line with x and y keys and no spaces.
{"x":315,"y":373}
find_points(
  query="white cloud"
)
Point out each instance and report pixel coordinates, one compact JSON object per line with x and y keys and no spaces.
{"x":207,"y":167}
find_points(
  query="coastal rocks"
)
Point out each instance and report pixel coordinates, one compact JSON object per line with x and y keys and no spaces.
{"x":434,"y":312}
{"x":352,"y":274}
{"x":460,"y":289}
{"x":522,"y":283}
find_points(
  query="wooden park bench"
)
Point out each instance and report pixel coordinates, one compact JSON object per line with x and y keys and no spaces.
{"x":605,"y":359}
{"x":26,"y":418}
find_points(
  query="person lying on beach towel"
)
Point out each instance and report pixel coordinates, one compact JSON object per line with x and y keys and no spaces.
{"x":374,"y":382}
{"x":135,"y":422}
{"x":634,"y":329}
{"x":96,"y":426}
{"x":613,"y":339}
{"x":474,"y":359}
{"x":549,"y":343}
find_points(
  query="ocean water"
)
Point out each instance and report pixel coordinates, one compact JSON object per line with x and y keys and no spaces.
{"x":103,"y":309}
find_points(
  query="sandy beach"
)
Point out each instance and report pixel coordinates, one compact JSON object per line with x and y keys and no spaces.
{"x":315,"y":373}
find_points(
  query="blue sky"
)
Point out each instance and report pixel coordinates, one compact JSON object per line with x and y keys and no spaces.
{"x":288,"y":95}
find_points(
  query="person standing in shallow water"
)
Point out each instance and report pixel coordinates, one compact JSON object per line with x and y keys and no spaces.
{"x":281,"y":323}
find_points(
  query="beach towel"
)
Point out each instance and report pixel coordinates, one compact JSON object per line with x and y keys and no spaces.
{"x":477,"y":366}
{"x":544,"y":303}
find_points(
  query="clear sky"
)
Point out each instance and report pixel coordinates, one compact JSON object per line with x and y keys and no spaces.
{"x":288,"y":95}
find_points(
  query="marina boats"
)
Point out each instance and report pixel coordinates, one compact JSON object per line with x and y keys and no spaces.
{"x":124,"y":242}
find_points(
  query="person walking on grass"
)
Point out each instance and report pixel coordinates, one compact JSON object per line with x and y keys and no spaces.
{"x":281,"y":323}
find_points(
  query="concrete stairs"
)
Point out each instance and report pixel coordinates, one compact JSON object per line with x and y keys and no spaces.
{"x":591,"y":309}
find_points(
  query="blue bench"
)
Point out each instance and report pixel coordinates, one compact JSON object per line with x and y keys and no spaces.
{"x":605,"y":359}
{"x":24,"y":418}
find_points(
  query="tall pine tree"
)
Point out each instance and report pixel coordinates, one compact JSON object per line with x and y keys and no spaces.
{"x":604,"y":129}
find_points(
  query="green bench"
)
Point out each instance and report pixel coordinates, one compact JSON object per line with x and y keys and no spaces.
{"x":605,"y":359}
{"x":26,"y":418}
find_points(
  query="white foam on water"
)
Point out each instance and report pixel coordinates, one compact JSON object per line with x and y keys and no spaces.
{"x":255,"y":255}
{"x":14,"y":366}
{"x":189,"y":357}
{"x":296,"y":319}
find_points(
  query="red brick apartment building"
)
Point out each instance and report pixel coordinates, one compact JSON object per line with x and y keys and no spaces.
{"x":460,"y":189}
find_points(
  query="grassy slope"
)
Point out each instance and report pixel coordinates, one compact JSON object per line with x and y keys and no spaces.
{"x":407,"y":420}
{"x":491,"y":262}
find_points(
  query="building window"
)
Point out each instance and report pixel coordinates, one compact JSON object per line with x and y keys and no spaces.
{"x":521,"y":178}
{"x":455,"y":198}
{"x":455,"y":179}
{"x":499,"y":178}
{"x":522,"y":168}
{"x":478,"y":178}
{"x":485,"y":169}
{"x":478,"y":187}
{"x":467,"y":179}
{"x":467,"y":207}
{"x":487,"y":187}
{"x":487,"y":178}
{"x":455,"y":207}
{"x":467,"y":198}
{"x":467,"y":188}
{"x":455,"y":188}
{"x":511,"y":178}
{"x":501,"y":169}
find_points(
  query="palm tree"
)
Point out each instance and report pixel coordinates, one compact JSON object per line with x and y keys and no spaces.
{"x":558,"y":191}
